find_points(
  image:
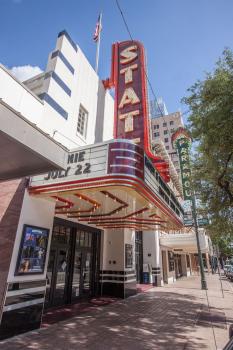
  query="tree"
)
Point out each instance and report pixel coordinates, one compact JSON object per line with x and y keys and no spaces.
{"x":211,"y":125}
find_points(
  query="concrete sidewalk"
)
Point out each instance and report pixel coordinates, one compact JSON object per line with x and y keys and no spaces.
{"x":171,"y":317}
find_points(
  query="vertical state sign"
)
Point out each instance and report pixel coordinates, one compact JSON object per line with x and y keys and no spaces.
{"x":182,"y":142}
{"x":128,"y":76}
{"x":128,"y":68}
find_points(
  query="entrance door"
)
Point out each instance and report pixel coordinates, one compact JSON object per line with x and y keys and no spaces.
{"x":81,"y":286}
{"x":57,"y":277}
{"x":73,"y":265}
{"x":138,"y":256}
{"x":58,"y":267}
{"x":178,"y":266}
{"x":60,"y":283}
{"x":165,"y":267}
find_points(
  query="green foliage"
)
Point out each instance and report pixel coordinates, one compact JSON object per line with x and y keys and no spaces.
{"x":224,"y":244}
{"x":211,"y":125}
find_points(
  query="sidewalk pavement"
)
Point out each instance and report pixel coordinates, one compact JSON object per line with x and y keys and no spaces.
{"x":172,"y":317}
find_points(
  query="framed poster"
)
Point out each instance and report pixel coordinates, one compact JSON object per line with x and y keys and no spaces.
{"x":32,"y":250}
{"x":128,"y":255}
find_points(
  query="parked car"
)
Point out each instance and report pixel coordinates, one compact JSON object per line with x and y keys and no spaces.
{"x":229,"y":273}
{"x":229,"y":345}
{"x":226,"y":268}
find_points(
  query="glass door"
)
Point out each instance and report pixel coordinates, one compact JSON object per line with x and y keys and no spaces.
{"x":76,"y":275}
{"x":60,"y":283}
{"x":138,"y":256}
{"x":86,"y":273}
{"x":72,"y":266}
{"x":81,"y":286}
{"x":58,"y":267}
{"x":49,"y":277}
{"x":56,"y":289}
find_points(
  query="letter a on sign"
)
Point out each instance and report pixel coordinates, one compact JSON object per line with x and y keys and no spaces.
{"x":129,"y":97}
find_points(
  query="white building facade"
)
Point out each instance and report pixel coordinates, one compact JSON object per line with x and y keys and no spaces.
{"x":92,"y":225}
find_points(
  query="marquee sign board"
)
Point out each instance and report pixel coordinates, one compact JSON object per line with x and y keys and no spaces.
{"x":83,"y":163}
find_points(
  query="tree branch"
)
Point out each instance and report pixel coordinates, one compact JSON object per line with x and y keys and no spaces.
{"x":225,"y":184}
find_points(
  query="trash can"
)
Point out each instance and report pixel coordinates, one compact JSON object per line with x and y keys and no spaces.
{"x":146,"y":278}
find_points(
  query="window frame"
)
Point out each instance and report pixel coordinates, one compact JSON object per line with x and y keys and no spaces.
{"x":84,"y":135}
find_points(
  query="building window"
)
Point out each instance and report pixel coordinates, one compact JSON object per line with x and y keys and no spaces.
{"x":167,"y":147}
{"x":172,"y":130}
{"x":164,"y":124}
{"x":165,"y":132}
{"x":171,"y":122}
{"x":82,"y":121}
{"x":156,"y":126}
{"x":166,"y":139}
{"x":156,"y":134}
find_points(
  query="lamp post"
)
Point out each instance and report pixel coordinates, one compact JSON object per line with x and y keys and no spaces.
{"x":194,"y":212}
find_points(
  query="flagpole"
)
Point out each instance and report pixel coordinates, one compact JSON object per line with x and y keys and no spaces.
{"x":98,"y":47}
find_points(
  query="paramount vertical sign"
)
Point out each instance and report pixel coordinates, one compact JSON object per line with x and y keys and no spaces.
{"x":128,"y":76}
{"x":182,"y":142}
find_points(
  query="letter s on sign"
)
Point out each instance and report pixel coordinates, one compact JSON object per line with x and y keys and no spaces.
{"x":127,"y":55}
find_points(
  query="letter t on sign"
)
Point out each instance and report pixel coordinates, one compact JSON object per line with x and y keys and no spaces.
{"x":128,"y":72}
{"x":128,"y":119}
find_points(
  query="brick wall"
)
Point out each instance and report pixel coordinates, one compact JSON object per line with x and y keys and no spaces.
{"x":11,"y":198}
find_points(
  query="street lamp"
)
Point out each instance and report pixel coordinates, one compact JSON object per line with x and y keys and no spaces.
{"x":200,"y":258}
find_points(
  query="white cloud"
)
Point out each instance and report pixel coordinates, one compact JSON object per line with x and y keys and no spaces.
{"x":25,"y":72}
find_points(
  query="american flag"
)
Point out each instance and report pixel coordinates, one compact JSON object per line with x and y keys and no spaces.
{"x":98,"y":29}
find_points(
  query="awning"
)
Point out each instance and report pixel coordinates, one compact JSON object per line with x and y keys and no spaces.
{"x":111,"y":185}
{"x":185,"y":242}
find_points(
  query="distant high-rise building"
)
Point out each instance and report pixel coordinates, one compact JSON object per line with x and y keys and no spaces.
{"x":162,"y":128}
{"x":157,"y":108}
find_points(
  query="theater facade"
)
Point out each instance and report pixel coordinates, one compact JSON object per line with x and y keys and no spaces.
{"x":91,"y":224}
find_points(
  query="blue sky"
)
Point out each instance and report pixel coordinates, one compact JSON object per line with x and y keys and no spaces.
{"x":183,"y":38}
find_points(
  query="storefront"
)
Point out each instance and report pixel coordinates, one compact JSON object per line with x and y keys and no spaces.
{"x":73,"y":266}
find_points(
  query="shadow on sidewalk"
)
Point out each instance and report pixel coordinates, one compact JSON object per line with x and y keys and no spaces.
{"x":153,"y":320}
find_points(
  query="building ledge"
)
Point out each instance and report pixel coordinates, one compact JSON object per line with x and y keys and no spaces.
{"x":25,"y":149}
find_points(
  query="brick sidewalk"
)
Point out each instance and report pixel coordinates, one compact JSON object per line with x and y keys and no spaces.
{"x":171,"y":317}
